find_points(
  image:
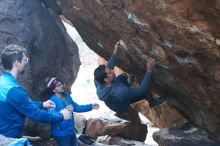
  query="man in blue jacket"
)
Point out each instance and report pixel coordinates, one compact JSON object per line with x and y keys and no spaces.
{"x":14,"y":102}
{"x":64,"y":131}
{"x":116,"y":92}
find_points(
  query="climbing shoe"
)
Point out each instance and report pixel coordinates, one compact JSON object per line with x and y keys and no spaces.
{"x":86,"y":139}
{"x":156,"y":101}
{"x":131,"y":80}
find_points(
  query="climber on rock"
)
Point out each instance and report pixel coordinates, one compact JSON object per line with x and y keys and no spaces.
{"x":116,"y":92}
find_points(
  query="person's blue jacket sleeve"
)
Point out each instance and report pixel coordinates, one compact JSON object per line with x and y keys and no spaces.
{"x":81,"y":108}
{"x":19,"y":99}
{"x":39,"y":104}
{"x":112,"y":61}
{"x":144,"y":87}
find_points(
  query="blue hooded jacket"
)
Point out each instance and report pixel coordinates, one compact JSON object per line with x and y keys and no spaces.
{"x":67,"y":127}
{"x":119,"y":96}
{"x":15,"y":105}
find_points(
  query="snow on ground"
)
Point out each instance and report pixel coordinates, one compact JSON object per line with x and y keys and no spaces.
{"x":83,"y":89}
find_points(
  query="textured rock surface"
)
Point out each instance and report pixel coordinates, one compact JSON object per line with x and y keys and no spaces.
{"x":51,"y":51}
{"x":132,"y":129}
{"x":183,"y":36}
{"x":34,"y":129}
{"x":118,"y":141}
{"x":185,"y":135}
{"x":98,"y":127}
{"x":37,"y":141}
{"x":136,"y":130}
{"x":80,"y":123}
{"x":162,"y":116}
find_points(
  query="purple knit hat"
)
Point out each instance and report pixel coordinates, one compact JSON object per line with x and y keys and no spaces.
{"x":52,"y":82}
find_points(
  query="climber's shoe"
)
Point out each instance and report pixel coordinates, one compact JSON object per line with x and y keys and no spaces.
{"x":85,"y":139}
{"x":156,"y":101}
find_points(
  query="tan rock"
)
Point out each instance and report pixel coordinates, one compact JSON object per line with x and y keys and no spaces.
{"x":98,"y":127}
{"x":80,"y":122}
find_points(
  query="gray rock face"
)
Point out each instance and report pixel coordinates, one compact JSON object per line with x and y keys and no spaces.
{"x":108,"y":140}
{"x":51,"y":51}
{"x":186,"y":135}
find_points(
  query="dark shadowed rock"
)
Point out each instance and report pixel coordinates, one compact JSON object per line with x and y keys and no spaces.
{"x":186,"y":135}
{"x":183,"y":36}
{"x":34,"y":129}
{"x":51,"y":51}
{"x":136,"y":130}
{"x":131,"y":129}
{"x":37,"y":141}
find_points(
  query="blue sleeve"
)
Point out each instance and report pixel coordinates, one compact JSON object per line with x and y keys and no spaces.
{"x":81,"y":108}
{"x":39,"y":104}
{"x":112,"y":61}
{"x":53,"y":110}
{"x":19,"y":99}
{"x":143,"y":89}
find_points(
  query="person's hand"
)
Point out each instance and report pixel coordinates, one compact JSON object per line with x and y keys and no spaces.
{"x":116,"y":47}
{"x":49,"y":104}
{"x":150,"y":64}
{"x":70,"y":108}
{"x":95,"y":106}
{"x":67,"y":115}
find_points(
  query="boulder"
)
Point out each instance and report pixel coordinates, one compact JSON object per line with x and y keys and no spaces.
{"x":184,"y":135}
{"x":183,"y":37}
{"x":80,"y":123}
{"x":98,"y":127}
{"x":51,"y":51}
{"x":118,"y":141}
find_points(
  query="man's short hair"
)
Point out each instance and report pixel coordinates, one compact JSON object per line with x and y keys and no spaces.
{"x":10,"y":54}
{"x":100,"y":74}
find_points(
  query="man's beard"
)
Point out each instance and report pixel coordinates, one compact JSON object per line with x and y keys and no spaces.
{"x":22,"y":72}
{"x":60,"y":92}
